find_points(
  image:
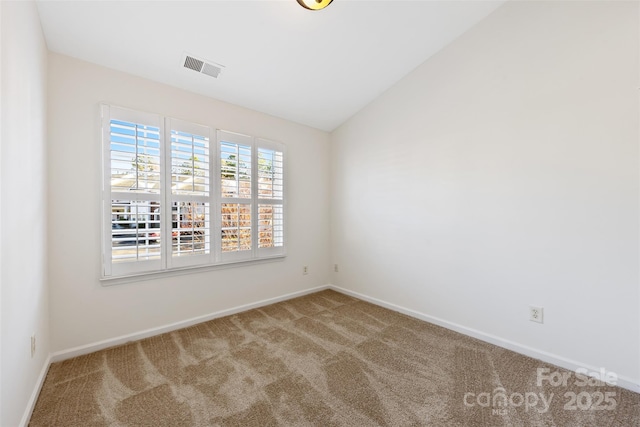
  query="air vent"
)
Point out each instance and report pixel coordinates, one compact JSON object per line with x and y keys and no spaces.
{"x":211,"y":70}
{"x":202,"y":66}
{"x":193,"y":64}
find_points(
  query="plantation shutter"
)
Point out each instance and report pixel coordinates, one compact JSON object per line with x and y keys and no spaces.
{"x":191,"y":195}
{"x":174,"y":199}
{"x":235,"y":207}
{"x":271,"y":201}
{"x":132,"y":185}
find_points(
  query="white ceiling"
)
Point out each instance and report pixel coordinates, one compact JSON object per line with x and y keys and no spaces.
{"x":312,"y":67}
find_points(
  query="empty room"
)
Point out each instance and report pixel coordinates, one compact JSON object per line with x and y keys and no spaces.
{"x":319,"y":213}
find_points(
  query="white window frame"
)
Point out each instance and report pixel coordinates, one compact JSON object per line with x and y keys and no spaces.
{"x":167,"y":262}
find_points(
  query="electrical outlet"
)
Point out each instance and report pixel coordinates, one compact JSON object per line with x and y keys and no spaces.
{"x":33,"y":345}
{"x":305,"y":269}
{"x":335,"y":267}
{"x":536,"y":314}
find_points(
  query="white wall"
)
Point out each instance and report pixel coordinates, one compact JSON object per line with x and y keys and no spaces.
{"x":23,"y":212}
{"x":83,"y":311}
{"x":503,"y":172}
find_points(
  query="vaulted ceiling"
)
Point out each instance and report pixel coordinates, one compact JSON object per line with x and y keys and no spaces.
{"x":312,"y":67}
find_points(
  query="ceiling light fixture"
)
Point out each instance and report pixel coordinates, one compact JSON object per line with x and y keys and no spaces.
{"x":314,"y":4}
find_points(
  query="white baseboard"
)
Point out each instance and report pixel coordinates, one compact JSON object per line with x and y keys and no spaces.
{"x":36,"y":392}
{"x":112,"y":342}
{"x":572,"y":365}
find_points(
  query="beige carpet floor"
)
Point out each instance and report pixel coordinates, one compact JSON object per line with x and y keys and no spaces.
{"x":324,"y":359}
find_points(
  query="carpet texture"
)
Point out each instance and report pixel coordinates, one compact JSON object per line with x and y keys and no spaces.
{"x":324,"y":359}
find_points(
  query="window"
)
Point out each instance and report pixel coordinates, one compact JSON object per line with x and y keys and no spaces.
{"x":173,"y":198}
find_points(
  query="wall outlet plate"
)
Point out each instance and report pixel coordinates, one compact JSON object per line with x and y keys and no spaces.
{"x":536,"y":314}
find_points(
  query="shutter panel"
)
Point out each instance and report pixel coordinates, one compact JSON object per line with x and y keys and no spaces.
{"x":270,"y":174}
{"x":190,"y":197}
{"x":135,"y":230}
{"x":235,"y":170}
{"x":135,"y":157}
{"x":190,"y":171}
{"x":270,"y":225}
{"x":132,"y":143}
{"x":235,"y":207}
{"x":271,"y":198}
{"x":236,"y":227}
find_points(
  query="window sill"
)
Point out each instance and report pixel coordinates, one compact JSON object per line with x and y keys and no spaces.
{"x":118,"y":280}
